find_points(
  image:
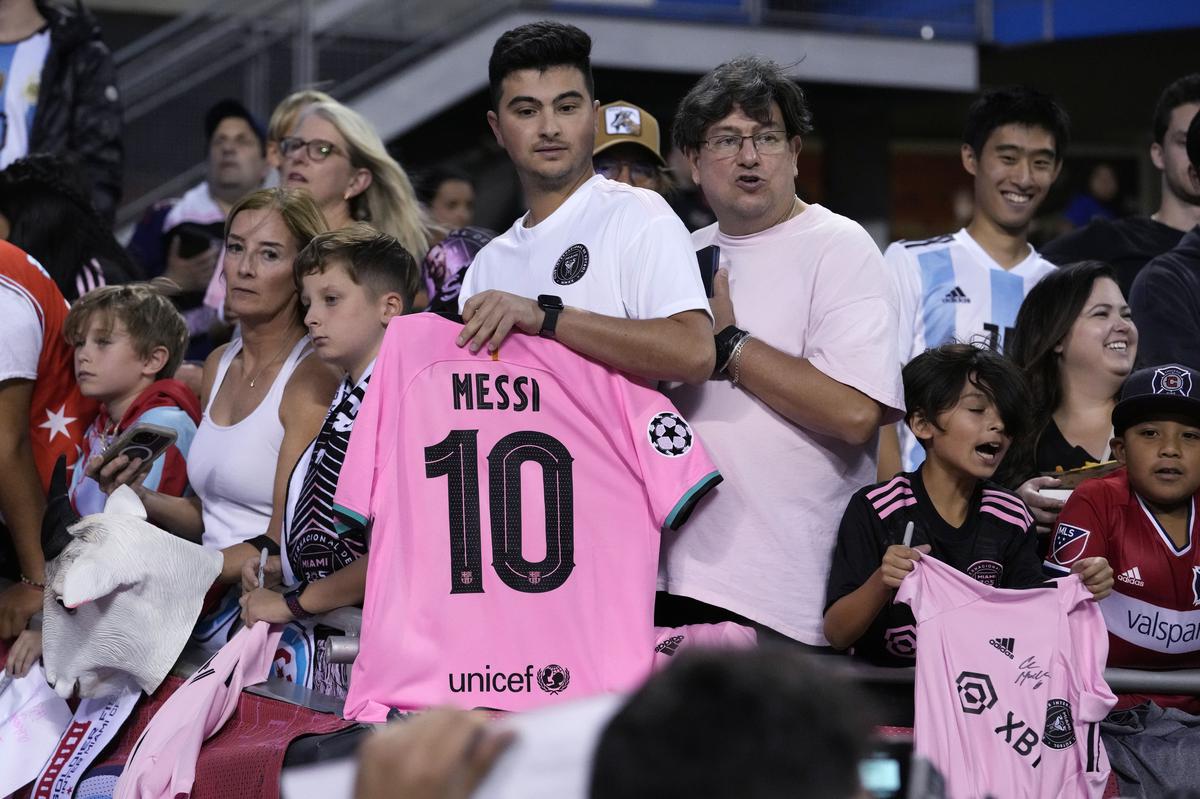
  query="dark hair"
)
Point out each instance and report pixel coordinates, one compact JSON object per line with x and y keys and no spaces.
{"x":1016,"y":105}
{"x":540,"y":45}
{"x":51,"y":217}
{"x":1193,"y":142}
{"x":229,"y":108}
{"x":430,"y":181}
{"x":1181,"y":91}
{"x":749,"y":82}
{"x":372,"y":259}
{"x":758,"y":723}
{"x":934,"y":380}
{"x":1045,"y":318}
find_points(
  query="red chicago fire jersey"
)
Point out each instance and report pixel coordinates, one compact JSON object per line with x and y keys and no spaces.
{"x":1153,"y":613}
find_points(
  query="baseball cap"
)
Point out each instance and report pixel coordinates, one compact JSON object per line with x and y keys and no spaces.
{"x":1193,"y":142}
{"x":226,"y":108}
{"x":1170,"y":389}
{"x":626,"y":123}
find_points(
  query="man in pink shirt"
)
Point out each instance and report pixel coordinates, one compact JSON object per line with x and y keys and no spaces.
{"x":806,"y":364}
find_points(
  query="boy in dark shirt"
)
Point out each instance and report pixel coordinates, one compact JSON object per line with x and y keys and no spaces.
{"x":965,"y":405}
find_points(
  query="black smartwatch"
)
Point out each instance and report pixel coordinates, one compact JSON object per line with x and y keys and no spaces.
{"x":292,"y":599}
{"x":552,"y":306}
{"x":725,"y":341}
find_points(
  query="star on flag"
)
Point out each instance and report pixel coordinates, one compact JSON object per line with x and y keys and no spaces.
{"x":57,"y":422}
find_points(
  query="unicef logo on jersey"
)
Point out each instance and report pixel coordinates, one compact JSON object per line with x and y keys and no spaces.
{"x":553,"y":679}
{"x":571,"y":265}
{"x":670,"y":435}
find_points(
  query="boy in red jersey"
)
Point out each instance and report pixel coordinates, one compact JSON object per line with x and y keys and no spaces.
{"x":1143,"y":519}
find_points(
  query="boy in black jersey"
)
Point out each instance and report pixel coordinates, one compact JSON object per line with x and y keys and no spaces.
{"x":965,"y":406}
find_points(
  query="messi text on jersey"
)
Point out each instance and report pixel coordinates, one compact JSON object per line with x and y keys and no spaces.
{"x":485,"y":392}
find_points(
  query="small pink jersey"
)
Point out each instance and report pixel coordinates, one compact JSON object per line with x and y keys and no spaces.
{"x":163,"y":762}
{"x":1010,"y":685}
{"x":515,"y":504}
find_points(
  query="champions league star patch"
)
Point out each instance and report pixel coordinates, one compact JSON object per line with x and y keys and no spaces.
{"x":1069,"y":543}
{"x":670,"y":435}
{"x":1173,"y":381}
{"x":571,"y":265}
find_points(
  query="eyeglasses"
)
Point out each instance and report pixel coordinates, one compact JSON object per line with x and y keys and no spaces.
{"x":638,"y":170}
{"x":768,"y":142}
{"x":317,"y":149}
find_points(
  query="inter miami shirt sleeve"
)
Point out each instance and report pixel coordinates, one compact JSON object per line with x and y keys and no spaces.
{"x":371,"y":443}
{"x":861,"y":543}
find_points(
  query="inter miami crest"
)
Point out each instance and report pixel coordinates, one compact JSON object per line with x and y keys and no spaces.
{"x":553,"y":679}
{"x":1060,"y":727}
{"x":571,"y":265}
{"x":670,"y":435}
{"x":1172,"y":380}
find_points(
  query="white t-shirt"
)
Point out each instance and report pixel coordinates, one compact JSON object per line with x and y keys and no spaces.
{"x":21,"y":344}
{"x":610,"y":249}
{"x":950,"y":289}
{"x":761,"y":544}
{"x":20,"y":82}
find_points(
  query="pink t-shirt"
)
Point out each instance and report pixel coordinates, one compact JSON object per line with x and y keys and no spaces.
{"x":515,"y":505}
{"x":813,"y":287}
{"x":163,"y":762}
{"x":1010,"y":685}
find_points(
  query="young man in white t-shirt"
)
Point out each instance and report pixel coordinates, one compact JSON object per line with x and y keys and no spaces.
{"x":968,"y":286}
{"x":605,"y":268}
{"x":806,"y":354}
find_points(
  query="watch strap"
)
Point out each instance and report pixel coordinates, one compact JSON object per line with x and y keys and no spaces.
{"x":292,"y":600}
{"x":726,"y":342}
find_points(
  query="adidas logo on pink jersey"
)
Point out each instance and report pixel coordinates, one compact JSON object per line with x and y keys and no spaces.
{"x":1132,"y":576}
{"x":1005,"y":645}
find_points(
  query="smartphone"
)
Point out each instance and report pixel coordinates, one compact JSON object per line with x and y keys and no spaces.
{"x":884,"y":772}
{"x":193,"y":240}
{"x":145,"y":441}
{"x":709,"y":259}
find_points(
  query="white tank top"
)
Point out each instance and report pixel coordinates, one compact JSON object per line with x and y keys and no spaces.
{"x":232,"y":467}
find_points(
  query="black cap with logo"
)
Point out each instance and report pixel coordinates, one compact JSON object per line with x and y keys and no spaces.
{"x":1173,"y":389}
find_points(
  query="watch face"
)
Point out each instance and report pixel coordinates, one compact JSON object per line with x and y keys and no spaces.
{"x":550,"y":302}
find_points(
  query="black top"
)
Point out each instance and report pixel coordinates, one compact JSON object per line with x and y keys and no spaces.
{"x":1056,"y":454}
{"x":1166,"y":306}
{"x":996,"y":545}
{"x":1127,"y":244}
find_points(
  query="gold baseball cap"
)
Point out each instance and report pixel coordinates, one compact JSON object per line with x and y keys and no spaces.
{"x":622,"y":123}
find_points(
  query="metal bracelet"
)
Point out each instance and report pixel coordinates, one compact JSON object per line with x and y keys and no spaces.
{"x":27,"y":581}
{"x":735,"y":359}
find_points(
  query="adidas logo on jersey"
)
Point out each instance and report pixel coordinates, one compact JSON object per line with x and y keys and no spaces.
{"x":956,"y":294}
{"x":1005,"y":645}
{"x":1132,"y":576}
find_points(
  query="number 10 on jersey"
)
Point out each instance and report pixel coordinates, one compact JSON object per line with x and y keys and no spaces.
{"x":456,"y":458}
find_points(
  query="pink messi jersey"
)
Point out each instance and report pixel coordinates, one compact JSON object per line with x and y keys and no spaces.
{"x":1010,"y":685}
{"x":515,"y":505}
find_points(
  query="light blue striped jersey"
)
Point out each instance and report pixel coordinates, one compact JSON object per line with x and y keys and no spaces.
{"x":949,"y":289}
{"x":20,"y":80}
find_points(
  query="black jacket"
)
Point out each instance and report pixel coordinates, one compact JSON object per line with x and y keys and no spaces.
{"x":1166,"y":306}
{"x":78,"y":114}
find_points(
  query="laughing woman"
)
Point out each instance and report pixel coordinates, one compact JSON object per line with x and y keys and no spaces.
{"x":1076,"y":343}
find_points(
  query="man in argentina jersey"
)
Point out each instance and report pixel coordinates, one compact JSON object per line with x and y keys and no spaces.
{"x":515,"y":503}
{"x":968,"y":286}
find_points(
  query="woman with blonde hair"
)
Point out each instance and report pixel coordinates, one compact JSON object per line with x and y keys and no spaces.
{"x":263,"y":399}
{"x":336,"y":154}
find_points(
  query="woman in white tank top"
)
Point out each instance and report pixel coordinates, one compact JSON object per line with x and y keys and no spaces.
{"x":263,"y":397}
